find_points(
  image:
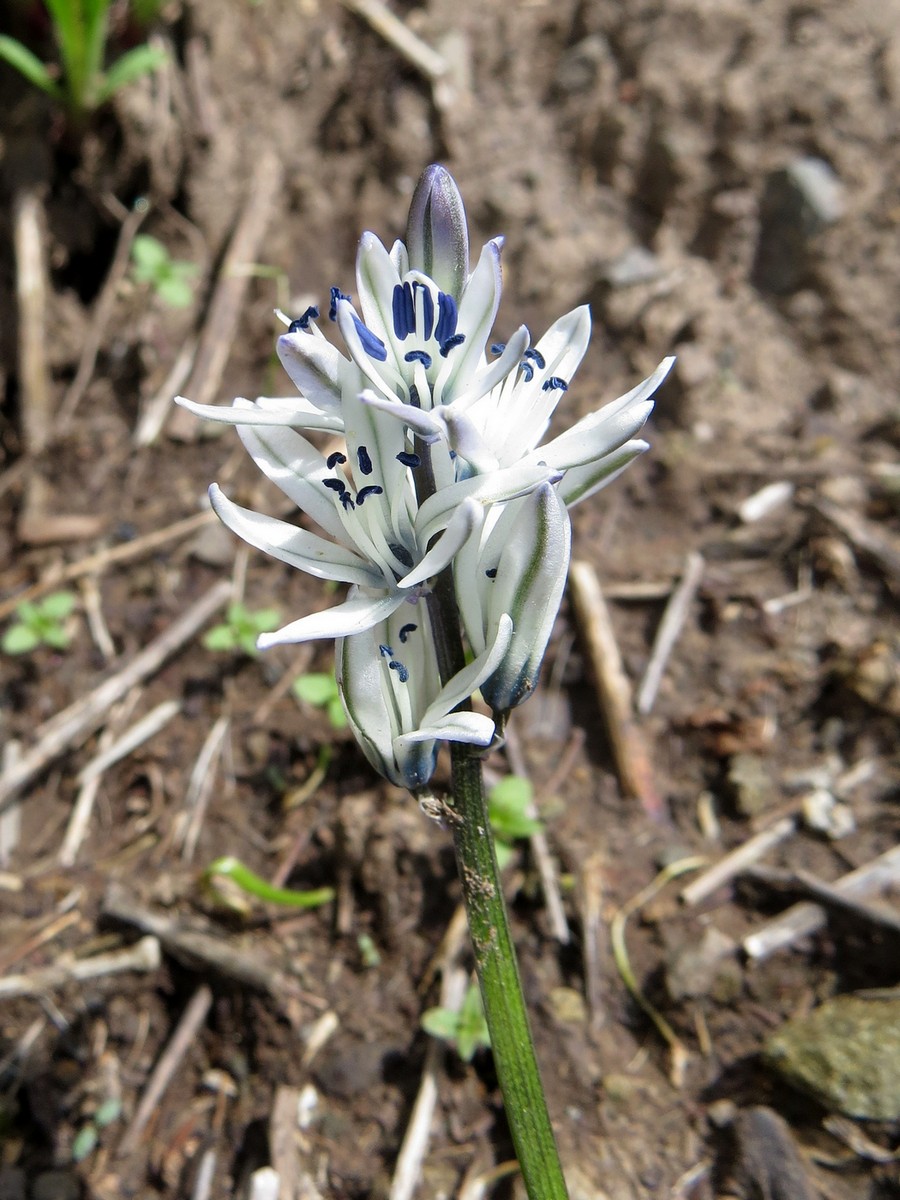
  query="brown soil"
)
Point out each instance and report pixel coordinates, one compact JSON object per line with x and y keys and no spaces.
{"x":579,"y":131}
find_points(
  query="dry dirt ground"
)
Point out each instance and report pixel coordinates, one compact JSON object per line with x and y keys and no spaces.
{"x":583,"y":132}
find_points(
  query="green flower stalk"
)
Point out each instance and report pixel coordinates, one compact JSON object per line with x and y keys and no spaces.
{"x":446,"y":512}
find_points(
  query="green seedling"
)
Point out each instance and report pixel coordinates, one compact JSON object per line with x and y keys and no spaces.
{"x":466,"y":1030}
{"x":368,"y":951}
{"x":80,"y":81}
{"x":508,"y":803}
{"x":320,"y":689}
{"x":41,"y":624}
{"x":241,"y":628}
{"x":169,"y":277}
{"x":89,"y":1135}
{"x":241,"y":877}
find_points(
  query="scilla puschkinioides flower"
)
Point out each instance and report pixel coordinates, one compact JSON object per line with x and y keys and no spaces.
{"x":441,"y":466}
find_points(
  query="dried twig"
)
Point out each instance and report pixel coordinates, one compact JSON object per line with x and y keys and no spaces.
{"x":108,"y":557}
{"x":200,"y":786}
{"x":593,"y":930}
{"x":77,"y":722}
{"x":31,"y":299}
{"x":540,"y":850}
{"x":155,"y":410}
{"x":670,"y":627}
{"x":831,"y":898}
{"x":400,"y":37}
{"x":226,"y":305}
{"x":632,"y":761}
{"x":143,"y":956}
{"x":185,"y":1031}
{"x":732,"y":864}
{"x":805,"y":918}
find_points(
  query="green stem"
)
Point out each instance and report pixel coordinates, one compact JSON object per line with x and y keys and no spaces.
{"x":501,"y":987}
{"x":495,"y":956}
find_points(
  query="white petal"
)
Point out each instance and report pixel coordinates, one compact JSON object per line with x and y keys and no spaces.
{"x":426,"y":424}
{"x":296,"y":547}
{"x":355,"y":615}
{"x":477,"y":312}
{"x":580,"y":482}
{"x":315,"y":366}
{"x":294,"y":411}
{"x":382,"y":372}
{"x":358,"y":672}
{"x":459,"y":528}
{"x":595,"y":436}
{"x":470,"y":678}
{"x":376,"y":278}
{"x":494,"y":373}
{"x":489,"y":489}
{"x":474,"y":728}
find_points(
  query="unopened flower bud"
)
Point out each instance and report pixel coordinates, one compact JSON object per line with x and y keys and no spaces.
{"x":437,"y":237}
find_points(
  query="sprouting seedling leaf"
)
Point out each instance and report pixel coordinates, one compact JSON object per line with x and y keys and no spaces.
{"x":241,"y":628}
{"x":466,"y":1029}
{"x":508,"y":803}
{"x":40,"y":624}
{"x":169,"y":277}
{"x":320,"y":689}
{"x":232,"y":869}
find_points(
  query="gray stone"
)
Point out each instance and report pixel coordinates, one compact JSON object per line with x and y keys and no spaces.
{"x":846,"y":1054}
{"x":799,"y":201}
{"x":636,"y":265}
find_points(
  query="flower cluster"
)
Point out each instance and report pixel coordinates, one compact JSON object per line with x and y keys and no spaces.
{"x":441,"y":467}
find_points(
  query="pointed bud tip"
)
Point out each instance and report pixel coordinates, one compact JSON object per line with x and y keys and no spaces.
{"x":437,"y":236}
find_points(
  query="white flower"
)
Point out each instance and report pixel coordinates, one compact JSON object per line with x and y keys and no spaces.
{"x":391,"y":689}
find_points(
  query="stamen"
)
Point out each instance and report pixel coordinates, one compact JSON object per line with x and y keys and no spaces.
{"x":418,"y":356}
{"x":536,"y":357}
{"x":336,"y":485}
{"x":427,"y":309}
{"x":406,"y":630}
{"x":456,"y":340}
{"x":491,"y":573}
{"x":336,"y":295}
{"x":527,"y":370}
{"x":498,"y":347}
{"x":386,"y":651}
{"x":347,"y":501}
{"x":365,"y":463}
{"x":403,"y":311}
{"x":303,"y":322}
{"x":372,"y":490}
{"x":402,"y":673}
{"x":333,"y":459}
{"x":401,"y":554}
{"x":554,"y":382}
{"x":414,"y":396}
{"x":409,"y":460}
{"x":447,"y":318}
{"x":373,"y":345}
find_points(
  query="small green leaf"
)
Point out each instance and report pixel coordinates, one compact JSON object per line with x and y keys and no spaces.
{"x":318,"y":688}
{"x":19,"y":639}
{"x":30,"y":66}
{"x":440,"y":1023}
{"x":55,"y":636}
{"x":337,"y":717}
{"x":504,"y":853}
{"x":149,"y":256}
{"x":246,"y":639}
{"x":137,"y":62}
{"x":265,"y":620}
{"x":84,"y":1143}
{"x":220,"y":637}
{"x":507,"y":804}
{"x":110,"y":1110}
{"x":57,"y":605}
{"x":175,"y":292}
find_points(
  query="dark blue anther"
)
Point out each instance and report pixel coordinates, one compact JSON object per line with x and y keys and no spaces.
{"x":447,"y":317}
{"x":386,"y":651}
{"x":554,"y":382}
{"x":402,"y":673}
{"x":347,"y":501}
{"x":418,"y":356}
{"x":401,"y":554}
{"x":536,"y":357}
{"x":498,"y":347}
{"x":527,"y":370}
{"x":404,"y":312}
{"x":405,"y":631}
{"x":333,"y":459}
{"x":409,"y":460}
{"x":336,"y":294}
{"x":372,"y":490}
{"x":491,"y":573}
{"x":373,"y":346}
{"x":365,"y":463}
{"x":414,"y":397}
{"x":456,"y":340}
{"x":303,"y":322}
{"x":336,"y":485}
{"x":427,"y":308}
